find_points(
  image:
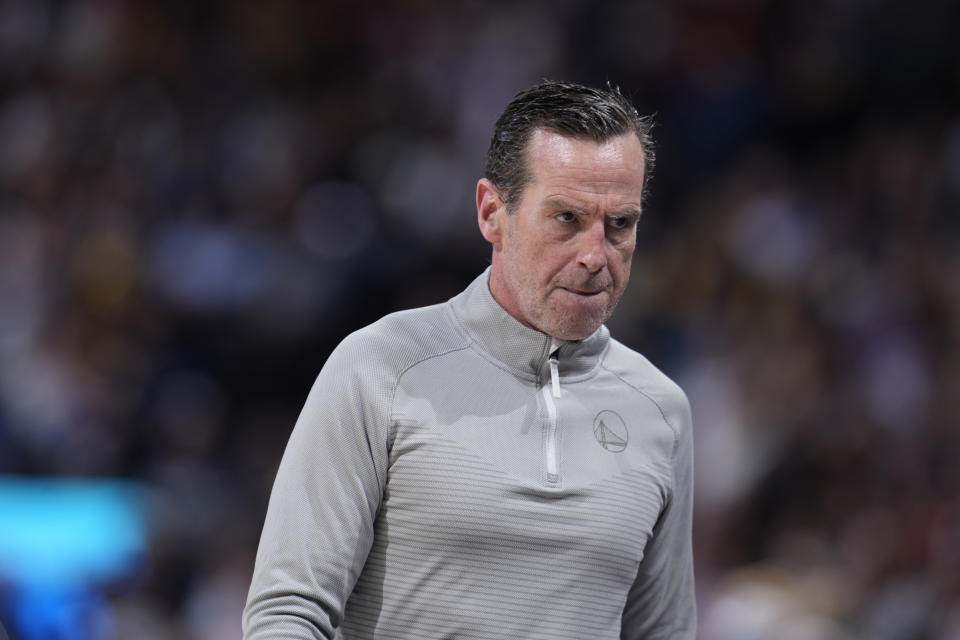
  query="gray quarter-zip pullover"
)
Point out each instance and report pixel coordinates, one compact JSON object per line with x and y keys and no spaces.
{"x":456,"y":474}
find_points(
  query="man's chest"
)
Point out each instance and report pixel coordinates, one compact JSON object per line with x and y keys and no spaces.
{"x":485,"y":463}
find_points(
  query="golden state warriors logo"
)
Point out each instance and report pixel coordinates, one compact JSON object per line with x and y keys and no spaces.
{"x":610,"y":431}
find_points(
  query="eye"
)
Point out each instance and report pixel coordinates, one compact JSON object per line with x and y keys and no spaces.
{"x":566,"y":216}
{"x":619,"y":222}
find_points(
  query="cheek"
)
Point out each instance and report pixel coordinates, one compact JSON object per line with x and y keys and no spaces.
{"x":620,"y":264}
{"x":622,"y":256}
{"x":554,"y":266}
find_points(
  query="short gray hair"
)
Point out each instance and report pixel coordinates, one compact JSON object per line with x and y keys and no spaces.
{"x":569,"y":109}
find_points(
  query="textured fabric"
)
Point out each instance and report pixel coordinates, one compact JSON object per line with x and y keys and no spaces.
{"x":435,"y":487}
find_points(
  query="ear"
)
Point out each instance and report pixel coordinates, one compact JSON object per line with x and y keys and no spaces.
{"x":490,"y":211}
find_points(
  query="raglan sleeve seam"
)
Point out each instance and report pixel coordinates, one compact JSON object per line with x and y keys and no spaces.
{"x":675,"y":431}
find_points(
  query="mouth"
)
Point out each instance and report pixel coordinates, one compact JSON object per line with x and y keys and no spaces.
{"x":586,"y":293}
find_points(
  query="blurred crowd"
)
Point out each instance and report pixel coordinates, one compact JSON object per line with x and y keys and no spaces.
{"x":199,"y":200}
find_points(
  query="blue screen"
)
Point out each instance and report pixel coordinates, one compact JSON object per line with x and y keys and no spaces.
{"x":59,"y":539}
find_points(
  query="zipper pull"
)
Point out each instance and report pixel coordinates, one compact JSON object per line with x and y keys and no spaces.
{"x":554,"y":367}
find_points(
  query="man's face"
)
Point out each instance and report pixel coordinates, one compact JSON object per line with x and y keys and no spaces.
{"x":561,"y":258}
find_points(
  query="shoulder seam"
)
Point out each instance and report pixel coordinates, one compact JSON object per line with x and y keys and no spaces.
{"x":396,"y":382}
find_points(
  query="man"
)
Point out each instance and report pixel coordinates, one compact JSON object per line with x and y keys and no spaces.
{"x":497,"y":466}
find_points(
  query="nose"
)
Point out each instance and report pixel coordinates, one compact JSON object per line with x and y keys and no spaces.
{"x":591,"y":252}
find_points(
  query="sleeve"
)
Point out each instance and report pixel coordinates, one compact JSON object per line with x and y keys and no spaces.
{"x":661,"y":603}
{"x":319,"y":524}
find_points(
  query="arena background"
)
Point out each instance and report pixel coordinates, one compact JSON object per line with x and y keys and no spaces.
{"x":199,"y":200}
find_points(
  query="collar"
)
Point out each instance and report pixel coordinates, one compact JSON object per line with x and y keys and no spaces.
{"x":522,"y":349}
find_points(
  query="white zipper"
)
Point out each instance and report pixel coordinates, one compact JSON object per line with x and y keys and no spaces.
{"x":550,"y":394}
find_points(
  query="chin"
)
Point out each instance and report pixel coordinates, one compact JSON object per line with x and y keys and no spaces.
{"x":582,"y":323}
{"x":578,"y":330}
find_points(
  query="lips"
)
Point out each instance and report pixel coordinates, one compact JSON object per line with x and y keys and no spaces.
{"x":584,"y":292}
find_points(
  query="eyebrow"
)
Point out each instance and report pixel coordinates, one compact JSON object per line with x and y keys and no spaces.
{"x":560,"y":203}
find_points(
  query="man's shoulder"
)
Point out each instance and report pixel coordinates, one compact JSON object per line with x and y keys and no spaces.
{"x":638,"y":372}
{"x":403,"y":338}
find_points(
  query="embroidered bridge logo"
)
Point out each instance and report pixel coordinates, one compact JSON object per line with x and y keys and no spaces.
{"x":610,"y":430}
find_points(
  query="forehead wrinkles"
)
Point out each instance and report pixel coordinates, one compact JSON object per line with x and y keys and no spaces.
{"x":584,"y":165}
